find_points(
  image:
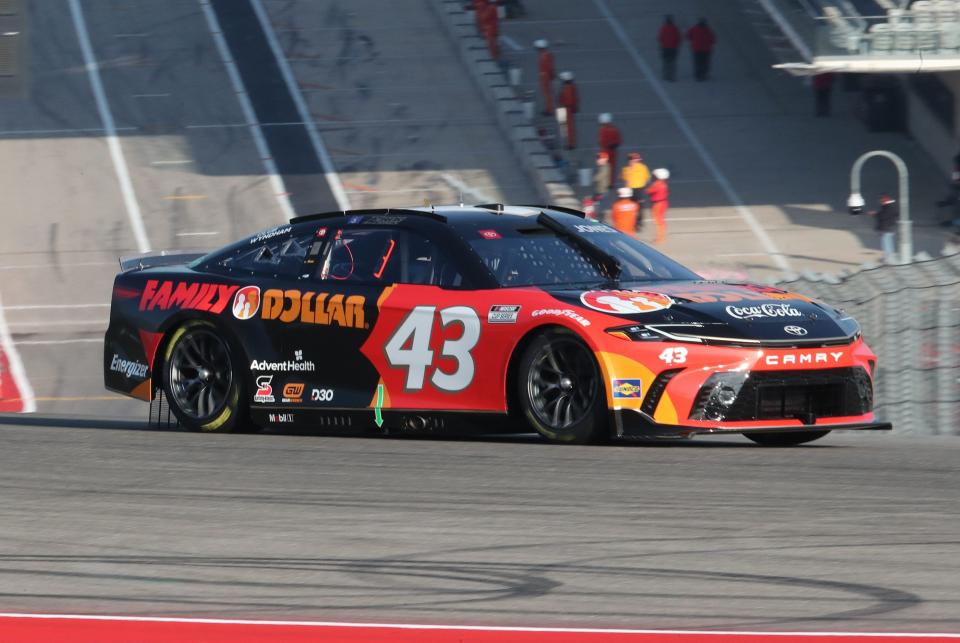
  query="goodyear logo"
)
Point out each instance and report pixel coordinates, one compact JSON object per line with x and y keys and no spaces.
{"x":313,"y":308}
{"x":626,"y":388}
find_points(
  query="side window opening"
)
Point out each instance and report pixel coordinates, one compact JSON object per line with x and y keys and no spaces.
{"x":282,"y":256}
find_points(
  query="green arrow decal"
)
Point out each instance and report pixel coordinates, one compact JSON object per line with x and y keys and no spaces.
{"x":376,"y":410}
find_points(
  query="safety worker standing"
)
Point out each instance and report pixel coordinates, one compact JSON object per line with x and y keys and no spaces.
{"x":491,"y":29}
{"x":609,"y":139}
{"x":702,"y":40}
{"x":570,"y":101}
{"x":669,"y":39}
{"x":602,"y":178}
{"x":479,"y":9}
{"x":625,"y":212}
{"x":659,"y":193}
{"x":546,"y":72}
{"x":636,"y":174}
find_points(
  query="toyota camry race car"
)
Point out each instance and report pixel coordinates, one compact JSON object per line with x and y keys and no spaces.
{"x":425,"y":318}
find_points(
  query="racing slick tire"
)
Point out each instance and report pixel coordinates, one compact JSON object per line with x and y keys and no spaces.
{"x":786,"y":439}
{"x":200,"y":380}
{"x":561,"y":392}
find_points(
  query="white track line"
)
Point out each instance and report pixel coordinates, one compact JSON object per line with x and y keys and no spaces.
{"x":463,"y":188}
{"x":53,"y":342}
{"x":343,"y":202}
{"x":17,"y":371}
{"x":55,"y":306}
{"x":775,"y":255}
{"x":466,"y":628}
{"x":273,"y":175}
{"x":106,"y":116}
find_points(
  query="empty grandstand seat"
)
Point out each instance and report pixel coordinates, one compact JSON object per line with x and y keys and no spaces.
{"x":946,"y":10}
{"x":927,"y":38}
{"x":950,"y":36}
{"x":923,"y":14}
{"x":881,"y":38}
{"x":904,"y":37}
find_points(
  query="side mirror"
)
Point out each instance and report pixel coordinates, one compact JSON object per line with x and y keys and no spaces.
{"x":855,"y":204}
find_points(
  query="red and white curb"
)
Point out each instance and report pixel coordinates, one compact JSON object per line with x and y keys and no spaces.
{"x":114,"y":629}
{"x":16,"y":394}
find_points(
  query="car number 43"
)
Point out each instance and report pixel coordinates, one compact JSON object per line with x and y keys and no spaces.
{"x":409,"y":347}
{"x":674,"y":355}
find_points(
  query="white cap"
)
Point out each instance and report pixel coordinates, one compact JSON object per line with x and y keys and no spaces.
{"x":605,"y":117}
{"x":625,"y":193}
{"x":566,"y":75}
{"x":662,"y":173}
{"x":541,"y":43}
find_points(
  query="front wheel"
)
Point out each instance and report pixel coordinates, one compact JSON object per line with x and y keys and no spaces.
{"x":786,"y":439}
{"x":561,"y":391}
{"x":200,"y":381}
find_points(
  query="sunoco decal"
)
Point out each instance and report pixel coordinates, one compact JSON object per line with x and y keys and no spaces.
{"x":626,"y":388}
{"x":625,"y":302}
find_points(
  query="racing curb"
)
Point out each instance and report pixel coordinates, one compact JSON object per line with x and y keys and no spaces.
{"x":502,"y":98}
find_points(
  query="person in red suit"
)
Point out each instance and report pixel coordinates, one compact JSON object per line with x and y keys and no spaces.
{"x":609,"y":140}
{"x":669,"y":39}
{"x":569,"y":99}
{"x":702,"y":40}
{"x":659,"y":193}
{"x":822,"y":87}
{"x":546,"y":73}
{"x":490,"y":23}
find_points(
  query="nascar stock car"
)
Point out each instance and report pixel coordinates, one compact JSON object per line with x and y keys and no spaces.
{"x":423,"y":319}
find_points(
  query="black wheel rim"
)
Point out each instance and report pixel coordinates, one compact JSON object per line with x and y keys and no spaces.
{"x":562,"y":383}
{"x":200,"y":374}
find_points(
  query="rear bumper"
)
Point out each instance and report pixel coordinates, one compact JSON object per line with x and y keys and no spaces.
{"x":631,"y":424}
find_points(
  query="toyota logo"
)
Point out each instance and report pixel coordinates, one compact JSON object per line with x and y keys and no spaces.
{"x":795,"y":330}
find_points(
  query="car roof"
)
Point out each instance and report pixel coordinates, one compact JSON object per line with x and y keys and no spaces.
{"x":457,"y":214}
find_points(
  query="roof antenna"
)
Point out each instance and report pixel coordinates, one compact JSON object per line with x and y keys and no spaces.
{"x":499,"y":208}
{"x":460,"y":192}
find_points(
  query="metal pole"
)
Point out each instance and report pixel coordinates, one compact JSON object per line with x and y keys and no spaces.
{"x":904,"y":223}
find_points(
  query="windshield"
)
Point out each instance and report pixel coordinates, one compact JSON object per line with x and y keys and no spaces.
{"x":538,"y":257}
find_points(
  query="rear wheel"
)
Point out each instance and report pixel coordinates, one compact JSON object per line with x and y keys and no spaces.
{"x":561,"y":392}
{"x":200,"y":381}
{"x":786,"y":439}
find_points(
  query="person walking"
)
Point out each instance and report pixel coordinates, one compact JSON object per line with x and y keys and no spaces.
{"x":601,"y":176}
{"x":887,"y":216}
{"x":702,"y":40}
{"x":570,"y":101}
{"x":609,"y":140}
{"x":822,"y":88}
{"x":546,"y":73}
{"x":491,"y":29}
{"x":669,"y":40}
{"x":659,"y":193}
{"x":624,"y":214}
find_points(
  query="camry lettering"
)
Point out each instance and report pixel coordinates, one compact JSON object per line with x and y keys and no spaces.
{"x":832,"y":357}
{"x":164,"y":295}
{"x":313,"y":308}
{"x":764,"y":310}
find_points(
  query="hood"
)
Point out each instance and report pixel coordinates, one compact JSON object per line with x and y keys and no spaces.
{"x":718,"y":312}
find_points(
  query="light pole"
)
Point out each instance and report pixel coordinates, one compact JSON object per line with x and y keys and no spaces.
{"x":855,"y":203}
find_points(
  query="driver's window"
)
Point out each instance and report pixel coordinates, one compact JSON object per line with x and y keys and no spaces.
{"x":385,"y":255}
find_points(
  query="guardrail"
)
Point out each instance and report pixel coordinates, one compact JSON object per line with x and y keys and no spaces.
{"x":910,"y":315}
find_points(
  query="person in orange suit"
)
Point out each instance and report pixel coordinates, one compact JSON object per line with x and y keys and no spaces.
{"x":659,"y":193}
{"x":479,"y":7}
{"x":625,"y":212}
{"x":609,"y":140}
{"x":546,"y":73}
{"x":569,"y":100}
{"x":490,"y":23}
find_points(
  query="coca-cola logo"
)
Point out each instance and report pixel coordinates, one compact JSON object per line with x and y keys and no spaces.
{"x":763,"y":310}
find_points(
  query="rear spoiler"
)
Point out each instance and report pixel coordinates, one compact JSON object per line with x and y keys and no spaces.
{"x":158,"y":258}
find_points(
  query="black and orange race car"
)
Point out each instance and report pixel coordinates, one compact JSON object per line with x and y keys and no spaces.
{"x":425,"y":319}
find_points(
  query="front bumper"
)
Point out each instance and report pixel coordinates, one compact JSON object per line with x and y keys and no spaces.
{"x":631,"y":424}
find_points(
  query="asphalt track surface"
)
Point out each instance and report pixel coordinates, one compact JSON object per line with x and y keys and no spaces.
{"x":854,"y":533}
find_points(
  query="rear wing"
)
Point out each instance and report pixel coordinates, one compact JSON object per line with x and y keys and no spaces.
{"x":158,"y":258}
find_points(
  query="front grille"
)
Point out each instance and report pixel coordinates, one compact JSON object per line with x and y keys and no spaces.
{"x":784,"y":395}
{"x":656,"y":390}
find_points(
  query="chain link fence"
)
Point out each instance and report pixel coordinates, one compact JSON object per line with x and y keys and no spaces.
{"x":910,"y":316}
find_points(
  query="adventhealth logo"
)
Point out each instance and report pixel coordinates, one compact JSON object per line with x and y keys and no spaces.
{"x":282,"y":367}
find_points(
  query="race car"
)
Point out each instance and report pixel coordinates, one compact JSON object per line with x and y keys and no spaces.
{"x":426,"y":319}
